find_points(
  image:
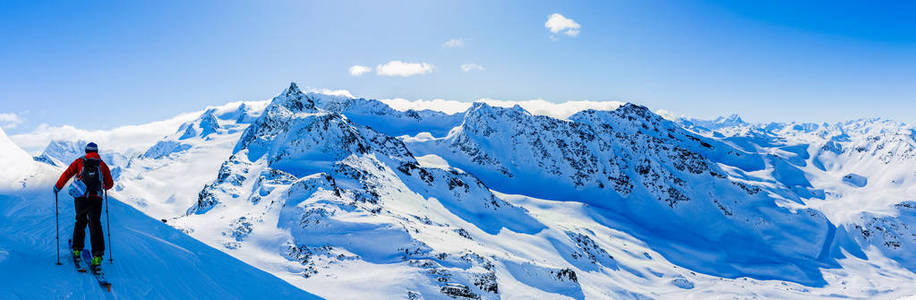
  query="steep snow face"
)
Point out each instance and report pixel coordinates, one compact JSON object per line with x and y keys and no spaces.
{"x":651,"y":178}
{"x":894,"y":234}
{"x":16,"y":163}
{"x":152,"y":260}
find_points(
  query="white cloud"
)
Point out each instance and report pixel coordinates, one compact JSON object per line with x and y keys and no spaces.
{"x":667,"y":115}
{"x":557,"y":23}
{"x":124,"y":139}
{"x":471,"y":67}
{"x":341,"y":93}
{"x":446,"y":106}
{"x":536,"y":106}
{"x":357,"y":70}
{"x":10,"y":120}
{"x":121,"y":139}
{"x":403,"y":69}
{"x":453,"y":43}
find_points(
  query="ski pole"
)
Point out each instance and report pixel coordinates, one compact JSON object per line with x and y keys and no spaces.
{"x":57,"y":227}
{"x":108,"y":224}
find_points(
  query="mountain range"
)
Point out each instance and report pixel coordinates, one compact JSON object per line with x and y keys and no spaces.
{"x":345,"y":197}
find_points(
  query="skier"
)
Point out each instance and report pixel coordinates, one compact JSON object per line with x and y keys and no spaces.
{"x":92,"y":176}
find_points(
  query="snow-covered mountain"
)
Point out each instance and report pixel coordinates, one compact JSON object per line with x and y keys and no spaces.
{"x":650,"y":178}
{"x":151,"y":259}
{"x":349,"y":198}
{"x":164,"y":180}
{"x":862,"y":174}
{"x":717,"y":123}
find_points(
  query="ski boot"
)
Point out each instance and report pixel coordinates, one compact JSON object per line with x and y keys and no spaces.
{"x":96,"y":264}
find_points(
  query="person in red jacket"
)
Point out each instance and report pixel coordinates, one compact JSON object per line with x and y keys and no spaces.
{"x":92,"y":178}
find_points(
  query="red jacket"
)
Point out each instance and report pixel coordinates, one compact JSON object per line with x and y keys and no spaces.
{"x":77,"y":166}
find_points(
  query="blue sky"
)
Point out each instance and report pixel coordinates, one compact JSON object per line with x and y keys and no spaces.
{"x":100,"y":65}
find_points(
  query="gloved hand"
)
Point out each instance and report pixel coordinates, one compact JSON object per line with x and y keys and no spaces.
{"x":56,"y":190}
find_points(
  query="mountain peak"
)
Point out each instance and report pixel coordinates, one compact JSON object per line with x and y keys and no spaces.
{"x":294,"y":100}
{"x":293,"y":89}
{"x":631,"y":108}
{"x":731,"y":120}
{"x":483,"y":107}
{"x":204,"y":125}
{"x":720,"y":122}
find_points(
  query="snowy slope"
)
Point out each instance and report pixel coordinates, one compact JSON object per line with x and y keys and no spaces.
{"x":163,"y":181}
{"x":349,"y":198}
{"x":861,"y":174}
{"x":649,"y":178}
{"x":152,"y":260}
{"x":297,"y":163}
{"x":16,"y":162}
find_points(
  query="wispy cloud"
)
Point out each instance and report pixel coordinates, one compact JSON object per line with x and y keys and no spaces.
{"x":10,"y":120}
{"x":453,"y":43}
{"x":557,"y":23}
{"x":358,"y":70}
{"x":341,"y":92}
{"x":471,"y":67}
{"x":403,"y":69}
{"x":125,"y":139}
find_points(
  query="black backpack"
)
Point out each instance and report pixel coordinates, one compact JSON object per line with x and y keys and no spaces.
{"x":91,"y":176}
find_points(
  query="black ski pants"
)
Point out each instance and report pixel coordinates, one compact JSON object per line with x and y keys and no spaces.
{"x":89,"y":212}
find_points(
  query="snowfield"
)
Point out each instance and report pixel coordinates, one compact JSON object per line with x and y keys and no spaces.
{"x":349,"y":198}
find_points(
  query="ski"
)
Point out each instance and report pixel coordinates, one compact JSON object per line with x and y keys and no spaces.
{"x":97,"y":273}
{"x":76,"y":259}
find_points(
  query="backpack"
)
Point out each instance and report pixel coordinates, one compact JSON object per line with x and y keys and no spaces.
{"x":89,"y":180}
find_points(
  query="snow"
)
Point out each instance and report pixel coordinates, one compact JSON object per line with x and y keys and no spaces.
{"x":542,"y":107}
{"x":166,"y":179}
{"x":125,"y":139}
{"x":16,"y":163}
{"x":328,"y":192}
{"x":855,"y":180}
{"x":433,"y":161}
{"x":358,"y":197}
{"x":151,"y":259}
